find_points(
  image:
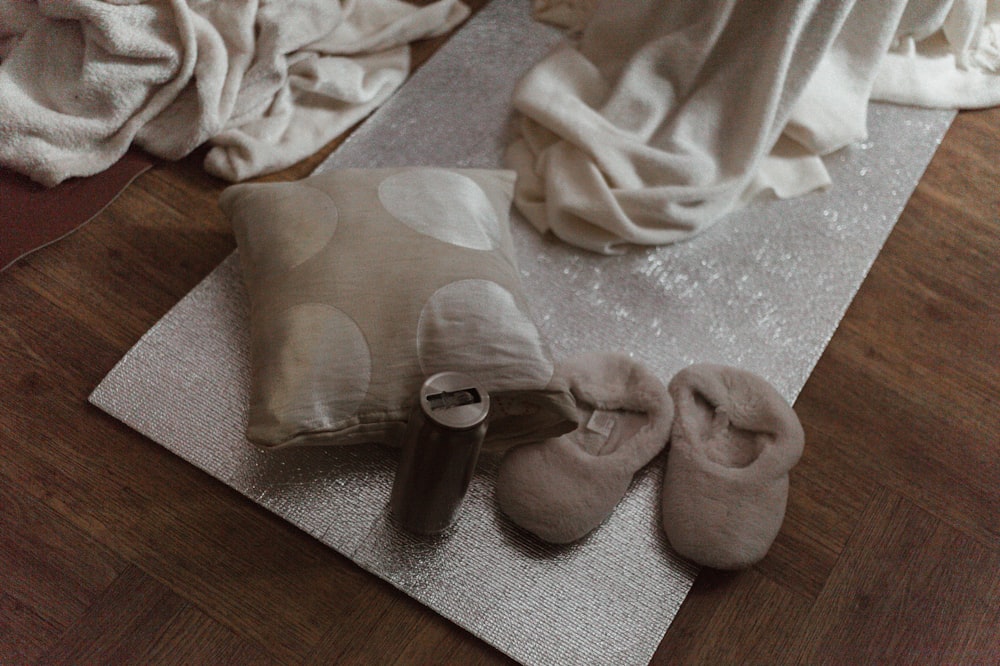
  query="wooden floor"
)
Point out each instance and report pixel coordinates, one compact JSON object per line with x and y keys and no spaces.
{"x":112,"y":550}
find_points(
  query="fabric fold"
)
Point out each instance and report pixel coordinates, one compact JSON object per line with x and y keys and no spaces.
{"x":661,"y":118}
{"x":949,"y":61}
{"x":657,"y":119}
{"x":268,"y":82}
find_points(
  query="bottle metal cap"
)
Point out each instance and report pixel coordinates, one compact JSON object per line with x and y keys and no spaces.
{"x":453,"y":400}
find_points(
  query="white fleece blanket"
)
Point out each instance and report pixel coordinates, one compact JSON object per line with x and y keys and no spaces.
{"x":266,"y":82}
{"x":662,"y":117}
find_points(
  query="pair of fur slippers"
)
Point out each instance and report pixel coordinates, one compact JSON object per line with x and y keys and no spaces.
{"x":732,"y":440}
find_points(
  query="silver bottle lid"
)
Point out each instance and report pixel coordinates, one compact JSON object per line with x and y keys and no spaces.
{"x":453,"y":400}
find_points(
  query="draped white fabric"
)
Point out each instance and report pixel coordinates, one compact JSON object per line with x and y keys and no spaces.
{"x":662,"y":117}
{"x":268,"y":82}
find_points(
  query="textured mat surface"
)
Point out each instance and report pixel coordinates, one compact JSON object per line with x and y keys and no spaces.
{"x":764,"y":289}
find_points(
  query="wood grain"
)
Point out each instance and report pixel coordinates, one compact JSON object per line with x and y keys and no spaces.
{"x":112,"y":550}
{"x":916,"y":590}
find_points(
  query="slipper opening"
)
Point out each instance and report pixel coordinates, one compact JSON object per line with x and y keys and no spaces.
{"x":727,"y":444}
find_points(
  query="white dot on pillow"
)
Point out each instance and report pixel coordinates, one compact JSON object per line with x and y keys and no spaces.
{"x":475,"y":326}
{"x":322,"y":367}
{"x":442,"y":204}
{"x":301,"y":220}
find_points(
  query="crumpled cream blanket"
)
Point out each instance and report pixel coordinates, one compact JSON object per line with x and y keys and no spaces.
{"x":662,"y":117}
{"x":266,"y":82}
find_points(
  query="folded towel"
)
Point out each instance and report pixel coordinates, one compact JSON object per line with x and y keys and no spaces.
{"x":664,"y":117}
{"x":268,"y":82}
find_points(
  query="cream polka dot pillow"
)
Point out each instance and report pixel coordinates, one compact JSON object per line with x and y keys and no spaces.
{"x":363,"y":283}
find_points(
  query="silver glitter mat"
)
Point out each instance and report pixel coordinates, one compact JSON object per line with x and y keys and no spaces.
{"x":763,"y":289}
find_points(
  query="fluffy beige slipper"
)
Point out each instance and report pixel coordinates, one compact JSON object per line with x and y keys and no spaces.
{"x":562,"y":488}
{"x":725,"y":487}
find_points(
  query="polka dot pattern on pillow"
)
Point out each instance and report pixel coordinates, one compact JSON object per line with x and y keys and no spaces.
{"x":483,"y":319}
{"x":422,"y":200}
{"x":364,"y":282}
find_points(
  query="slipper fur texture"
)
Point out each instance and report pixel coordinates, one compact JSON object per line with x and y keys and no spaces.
{"x":560,"y":489}
{"x":725,"y":487}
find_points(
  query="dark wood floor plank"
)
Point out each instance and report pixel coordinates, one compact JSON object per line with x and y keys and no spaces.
{"x":733,"y":618}
{"x":178,"y":216}
{"x":88,"y":468}
{"x":24,"y":633}
{"x":42,"y":344}
{"x":919,"y":433}
{"x":192,"y":637}
{"x":887,"y":434}
{"x":50,"y":573}
{"x":827,"y":495}
{"x":908,"y":589}
{"x":138,"y":620}
{"x":48,"y":565}
{"x":925,"y":312}
{"x":131,"y":613}
{"x":136,"y":251}
{"x":271,"y":582}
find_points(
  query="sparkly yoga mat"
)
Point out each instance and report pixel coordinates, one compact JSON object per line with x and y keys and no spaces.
{"x":763,"y":289}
